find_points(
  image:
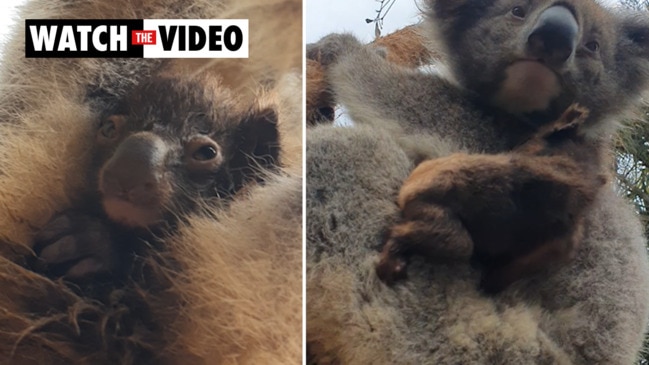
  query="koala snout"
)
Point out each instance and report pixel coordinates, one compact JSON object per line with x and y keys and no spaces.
{"x":134,"y":173}
{"x":554,"y":37}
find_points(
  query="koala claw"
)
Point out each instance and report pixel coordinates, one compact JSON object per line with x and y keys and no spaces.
{"x":392,"y":268}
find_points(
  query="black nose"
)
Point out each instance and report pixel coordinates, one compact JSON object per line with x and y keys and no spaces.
{"x":554,"y":38}
{"x":134,"y":171}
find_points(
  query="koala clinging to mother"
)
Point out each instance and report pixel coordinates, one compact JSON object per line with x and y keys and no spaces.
{"x":514,"y":66}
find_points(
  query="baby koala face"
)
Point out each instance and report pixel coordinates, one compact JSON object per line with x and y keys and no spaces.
{"x":178,"y":142}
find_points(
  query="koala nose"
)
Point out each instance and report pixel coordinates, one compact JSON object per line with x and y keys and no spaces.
{"x":554,"y":37}
{"x":134,"y":172}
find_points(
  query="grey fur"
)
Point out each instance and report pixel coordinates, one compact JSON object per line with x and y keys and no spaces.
{"x":591,"y":311}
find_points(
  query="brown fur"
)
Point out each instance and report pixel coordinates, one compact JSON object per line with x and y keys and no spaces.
{"x":515,"y":213}
{"x":274,"y":16}
{"x":406,"y":47}
{"x":319,"y":100}
{"x":184,"y":310}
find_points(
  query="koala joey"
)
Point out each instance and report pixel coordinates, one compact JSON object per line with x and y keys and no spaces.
{"x":515,"y":213}
{"x":171,"y":144}
{"x":516,"y":68}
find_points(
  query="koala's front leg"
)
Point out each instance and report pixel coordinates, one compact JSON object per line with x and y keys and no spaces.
{"x":79,"y":246}
{"x":428,"y":230}
{"x":372,"y":89}
{"x":320,"y":55}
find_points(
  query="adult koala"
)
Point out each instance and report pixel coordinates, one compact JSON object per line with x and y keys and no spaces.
{"x":515,"y":65}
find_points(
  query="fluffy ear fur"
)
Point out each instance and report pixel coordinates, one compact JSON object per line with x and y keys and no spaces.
{"x":454,"y":15}
{"x":635,"y":28}
{"x":633,"y":48}
{"x":449,"y":9}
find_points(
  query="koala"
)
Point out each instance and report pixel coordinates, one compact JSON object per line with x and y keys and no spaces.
{"x":513,"y":213}
{"x":196,"y":287}
{"x":515,"y":67}
{"x":173,"y":143}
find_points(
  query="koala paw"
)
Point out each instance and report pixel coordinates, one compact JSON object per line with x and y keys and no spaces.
{"x":329,"y":49}
{"x":75,"y":246}
{"x":573,"y":117}
{"x":392,"y":266}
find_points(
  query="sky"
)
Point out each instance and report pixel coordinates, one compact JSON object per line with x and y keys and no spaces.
{"x":334,"y":16}
{"x":327,"y":16}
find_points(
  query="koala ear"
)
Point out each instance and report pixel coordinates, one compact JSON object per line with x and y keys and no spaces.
{"x":454,"y":17}
{"x":444,"y":8}
{"x":635,"y":34}
{"x":632,"y":53}
{"x":639,"y":36}
{"x":257,"y":142}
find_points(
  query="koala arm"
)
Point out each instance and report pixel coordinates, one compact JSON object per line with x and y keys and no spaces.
{"x":360,"y":73}
{"x":372,"y":90}
{"x":404,"y":47}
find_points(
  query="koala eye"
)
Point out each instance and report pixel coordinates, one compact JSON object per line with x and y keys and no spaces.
{"x":592,"y":46}
{"x":205,"y":153}
{"x":519,"y":12}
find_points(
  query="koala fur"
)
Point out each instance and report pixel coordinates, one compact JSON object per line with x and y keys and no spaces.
{"x":228,"y":288}
{"x":513,"y":214}
{"x":593,"y":310}
{"x":319,"y":101}
{"x":404,"y":47}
